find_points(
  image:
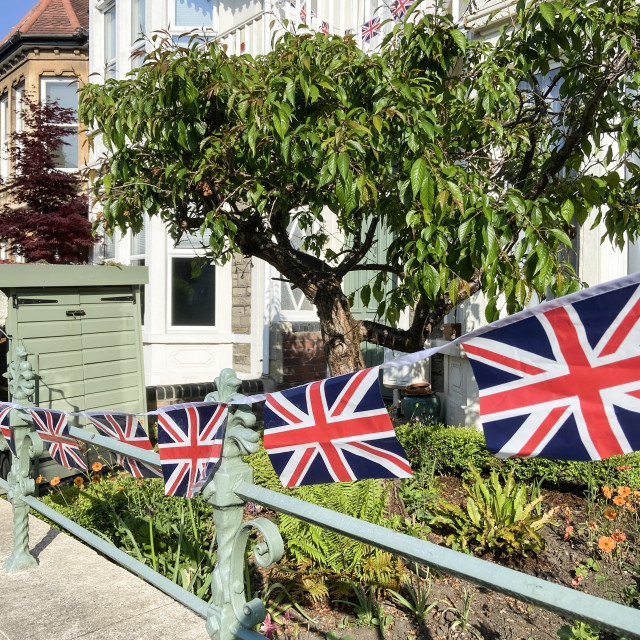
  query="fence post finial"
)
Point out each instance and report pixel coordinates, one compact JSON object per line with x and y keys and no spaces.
{"x":230,"y":615}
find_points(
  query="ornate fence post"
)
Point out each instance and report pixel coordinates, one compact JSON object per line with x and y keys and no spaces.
{"x":27,"y":446}
{"x":230,"y":613}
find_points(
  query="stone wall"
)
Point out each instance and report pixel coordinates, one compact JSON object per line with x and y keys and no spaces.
{"x":241,"y":311}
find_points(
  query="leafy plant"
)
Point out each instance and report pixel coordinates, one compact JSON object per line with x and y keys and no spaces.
{"x":419,"y":601}
{"x":578,"y":631}
{"x":499,"y":518}
{"x":462,"y":619}
{"x":368,"y":611}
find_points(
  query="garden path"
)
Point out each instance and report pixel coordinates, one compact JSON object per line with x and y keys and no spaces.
{"x":76,"y":593}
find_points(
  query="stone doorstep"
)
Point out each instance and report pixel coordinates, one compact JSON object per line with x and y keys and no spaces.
{"x":76,"y":593}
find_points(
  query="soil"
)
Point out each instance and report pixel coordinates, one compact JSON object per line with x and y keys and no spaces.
{"x":492,"y":616}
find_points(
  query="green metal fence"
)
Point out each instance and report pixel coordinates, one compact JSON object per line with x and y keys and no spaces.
{"x":229,"y":616}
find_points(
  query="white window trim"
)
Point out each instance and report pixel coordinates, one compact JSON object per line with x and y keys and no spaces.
{"x":209,"y":31}
{"x":4,"y":137}
{"x":19,"y":97}
{"x":174,"y":252}
{"x":44,"y":80}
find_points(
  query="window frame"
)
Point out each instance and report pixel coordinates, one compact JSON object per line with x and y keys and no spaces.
{"x":190,"y":252}
{"x":4,"y":136}
{"x":138,"y":32}
{"x":109,"y":13}
{"x":67,"y":80}
{"x":176,"y":29}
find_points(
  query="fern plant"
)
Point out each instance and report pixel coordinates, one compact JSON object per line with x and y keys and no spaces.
{"x":499,"y":518}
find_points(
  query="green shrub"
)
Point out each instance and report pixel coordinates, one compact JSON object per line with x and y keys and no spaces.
{"x":454,"y":448}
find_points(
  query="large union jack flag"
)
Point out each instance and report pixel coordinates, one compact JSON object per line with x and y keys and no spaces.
{"x":53,"y":428}
{"x":399,"y":8}
{"x":5,"y":428}
{"x":127,"y":429}
{"x":190,"y":445}
{"x":335,"y":430}
{"x":565,"y":381}
{"x":370,"y":29}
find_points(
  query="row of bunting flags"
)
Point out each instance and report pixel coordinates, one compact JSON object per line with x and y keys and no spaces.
{"x":371,"y":28}
{"x":559,"y":380}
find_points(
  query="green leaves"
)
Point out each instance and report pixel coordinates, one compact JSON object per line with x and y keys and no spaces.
{"x":418,"y":174}
{"x":548,"y":12}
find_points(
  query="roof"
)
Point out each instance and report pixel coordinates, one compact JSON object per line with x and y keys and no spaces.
{"x":53,"y":18}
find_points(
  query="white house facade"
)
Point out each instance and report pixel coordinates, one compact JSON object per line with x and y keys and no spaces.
{"x":240,"y":315}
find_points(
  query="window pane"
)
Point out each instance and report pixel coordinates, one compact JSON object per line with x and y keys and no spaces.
{"x":194,"y":13}
{"x":194,"y":240}
{"x":66,"y":155}
{"x":138,"y":26}
{"x":4,"y":137}
{"x":139,"y":240}
{"x":64,"y":92}
{"x":110,"y":41}
{"x":192,"y":299}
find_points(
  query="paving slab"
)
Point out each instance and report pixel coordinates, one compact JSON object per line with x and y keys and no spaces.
{"x":76,"y":593}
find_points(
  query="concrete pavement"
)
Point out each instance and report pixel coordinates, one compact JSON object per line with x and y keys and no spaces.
{"x":76,"y":593}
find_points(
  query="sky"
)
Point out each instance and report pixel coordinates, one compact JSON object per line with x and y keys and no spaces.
{"x":11,"y":12}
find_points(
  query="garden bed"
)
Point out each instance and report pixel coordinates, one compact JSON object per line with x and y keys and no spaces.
{"x":329,"y":587}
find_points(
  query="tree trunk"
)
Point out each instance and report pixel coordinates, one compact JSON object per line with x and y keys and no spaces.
{"x":340,"y":330}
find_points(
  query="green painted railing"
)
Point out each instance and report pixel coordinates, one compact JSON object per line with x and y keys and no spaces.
{"x":229,"y":616}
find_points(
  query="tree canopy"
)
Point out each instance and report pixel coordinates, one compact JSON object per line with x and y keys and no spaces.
{"x":47,"y":215}
{"x":480,"y":157}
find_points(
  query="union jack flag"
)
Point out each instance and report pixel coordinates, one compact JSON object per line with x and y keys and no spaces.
{"x":53,"y":428}
{"x":400,"y":7}
{"x":335,"y":430}
{"x":127,"y":429}
{"x":370,"y":29}
{"x":325,"y":27}
{"x":564,"y":382}
{"x":5,"y":429}
{"x":190,"y":446}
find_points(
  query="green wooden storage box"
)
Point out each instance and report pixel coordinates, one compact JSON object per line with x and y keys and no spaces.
{"x":81,"y":328}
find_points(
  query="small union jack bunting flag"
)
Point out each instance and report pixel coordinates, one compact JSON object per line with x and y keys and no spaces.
{"x":325,"y":27}
{"x":399,"y":8}
{"x":335,"y":430}
{"x":563,"y":382}
{"x":53,"y":428}
{"x":5,"y":429}
{"x":370,"y":29}
{"x":127,"y":429}
{"x":190,"y":445}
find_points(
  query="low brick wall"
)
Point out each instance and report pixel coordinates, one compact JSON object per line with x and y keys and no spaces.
{"x":165,"y":395}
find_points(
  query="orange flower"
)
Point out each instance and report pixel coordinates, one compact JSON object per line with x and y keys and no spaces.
{"x":631,"y":507}
{"x":619,"y":501}
{"x":636,"y":494}
{"x":593,"y":525}
{"x":39,"y":479}
{"x":610,"y":514}
{"x":606,"y":544}
{"x":567,"y":532}
{"x":618,"y":536}
{"x":96,"y":466}
{"x":624,"y":491}
{"x":623,"y":467}
{"x":55,"y":481}
{"x":95,"y":477}
{"x":78,"y":481}
{"x":606,"y":491}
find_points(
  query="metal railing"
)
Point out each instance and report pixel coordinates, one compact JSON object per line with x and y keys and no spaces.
{"x":229,"y":616}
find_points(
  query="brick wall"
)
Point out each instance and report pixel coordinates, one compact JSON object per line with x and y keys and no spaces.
{"x":303,"y":358}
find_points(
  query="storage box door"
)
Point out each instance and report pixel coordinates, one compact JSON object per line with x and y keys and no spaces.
{"x":47,"y":323}
{"x":111,"y":349}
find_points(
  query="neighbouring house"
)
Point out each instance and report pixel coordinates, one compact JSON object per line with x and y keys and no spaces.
{"x":46,"y":55}
{"x":241,"y":315}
